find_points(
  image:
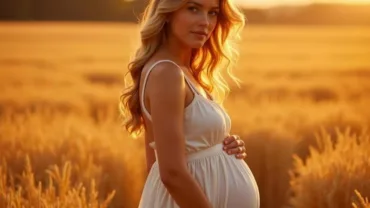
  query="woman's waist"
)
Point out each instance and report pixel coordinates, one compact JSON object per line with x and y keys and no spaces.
{"x":203,"y":153}
{"x":206,"y":152}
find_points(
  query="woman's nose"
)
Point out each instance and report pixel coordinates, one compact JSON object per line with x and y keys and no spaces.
{"x":204,"y":19}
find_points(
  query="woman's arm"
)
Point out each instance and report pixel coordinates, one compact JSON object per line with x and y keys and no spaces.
{"x":166,"y":88}
{"x":149,"y":153}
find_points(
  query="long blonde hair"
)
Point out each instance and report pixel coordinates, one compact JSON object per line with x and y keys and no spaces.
{"x":217,"y":53}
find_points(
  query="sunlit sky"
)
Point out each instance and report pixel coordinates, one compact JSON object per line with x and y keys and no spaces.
{"x":270,"y":3}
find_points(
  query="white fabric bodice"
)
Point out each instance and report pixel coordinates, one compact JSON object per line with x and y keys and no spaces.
{"x":206,"y":123}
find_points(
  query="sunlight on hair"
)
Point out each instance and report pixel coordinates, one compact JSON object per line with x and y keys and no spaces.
{"x":218,"y":55}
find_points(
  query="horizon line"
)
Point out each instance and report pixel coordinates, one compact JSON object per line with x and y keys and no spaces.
{"x":252,"y":6}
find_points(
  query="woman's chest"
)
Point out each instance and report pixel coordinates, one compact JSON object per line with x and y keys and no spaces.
{"x":206,"y":119}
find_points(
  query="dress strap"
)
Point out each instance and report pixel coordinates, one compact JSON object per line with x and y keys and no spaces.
{"x":146,"y":78}
{"x":191,"y":85}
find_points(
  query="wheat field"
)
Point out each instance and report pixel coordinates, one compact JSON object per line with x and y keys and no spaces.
{"x":303,"y":110}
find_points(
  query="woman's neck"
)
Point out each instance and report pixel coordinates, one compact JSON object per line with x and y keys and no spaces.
{"x":180,"y":53}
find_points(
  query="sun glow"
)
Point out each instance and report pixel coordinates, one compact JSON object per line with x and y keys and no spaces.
{"x":271,"y":3}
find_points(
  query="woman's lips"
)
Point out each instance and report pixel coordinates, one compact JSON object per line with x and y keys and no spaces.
{"x":199,"y":35}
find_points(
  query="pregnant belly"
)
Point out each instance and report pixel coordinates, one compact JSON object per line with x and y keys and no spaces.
{"x":226,"y":180}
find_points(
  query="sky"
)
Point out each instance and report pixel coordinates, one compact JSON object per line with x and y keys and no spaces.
{"x":270,"y":3}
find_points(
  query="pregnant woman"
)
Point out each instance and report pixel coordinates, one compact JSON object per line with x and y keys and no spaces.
{"x":177,"y":74}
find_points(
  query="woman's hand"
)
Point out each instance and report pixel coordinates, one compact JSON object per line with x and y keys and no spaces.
{"x":234,"y":145}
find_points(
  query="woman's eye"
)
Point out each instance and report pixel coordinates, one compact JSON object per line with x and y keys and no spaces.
{"x":193,"y":9}
{"x":214,"y":13}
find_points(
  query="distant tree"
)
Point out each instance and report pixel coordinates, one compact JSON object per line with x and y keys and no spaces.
{"x":131,"y":11}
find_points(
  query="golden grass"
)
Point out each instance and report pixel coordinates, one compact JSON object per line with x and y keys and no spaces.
{"x":362,"y":202}
{"x":22,"y":191}
{"x":60,"y":86}
{"x":333,"y":171}
{"x":95,"y":150}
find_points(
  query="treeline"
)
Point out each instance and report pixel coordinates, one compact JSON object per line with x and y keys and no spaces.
{"x":129,"y":11}
{"x":70,"y":10}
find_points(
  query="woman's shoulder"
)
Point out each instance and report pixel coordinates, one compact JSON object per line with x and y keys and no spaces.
{"x":164,"y":81}
{"x":162,"y":66}
{"x":164,"y":72}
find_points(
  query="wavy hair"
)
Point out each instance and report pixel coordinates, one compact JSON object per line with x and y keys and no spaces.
{"x":208,"y":63}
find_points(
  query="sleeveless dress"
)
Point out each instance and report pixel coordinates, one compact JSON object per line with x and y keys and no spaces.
{"x":227,"y":181}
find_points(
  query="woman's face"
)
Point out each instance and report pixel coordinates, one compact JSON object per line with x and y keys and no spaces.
{"x":194,"y":23}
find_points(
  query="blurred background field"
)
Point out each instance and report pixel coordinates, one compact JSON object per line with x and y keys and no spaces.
{"x":303,"y":110}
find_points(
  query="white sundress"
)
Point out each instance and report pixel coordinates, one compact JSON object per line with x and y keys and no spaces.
{"x":227,"y":181}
